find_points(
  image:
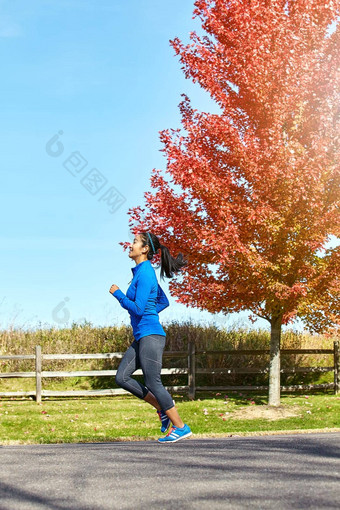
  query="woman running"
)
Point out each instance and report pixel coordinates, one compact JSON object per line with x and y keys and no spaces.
{"x":144,"y":299}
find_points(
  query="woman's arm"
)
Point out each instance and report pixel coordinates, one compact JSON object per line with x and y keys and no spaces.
{"x":144,"y":286}
{"x":162,"y":300}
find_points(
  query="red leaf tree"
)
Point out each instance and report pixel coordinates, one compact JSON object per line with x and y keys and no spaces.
{"x":257,"y":197}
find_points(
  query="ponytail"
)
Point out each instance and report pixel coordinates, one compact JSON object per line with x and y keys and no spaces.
{"x":169,"y":264}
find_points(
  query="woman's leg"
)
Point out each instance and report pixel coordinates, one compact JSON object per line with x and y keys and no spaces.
{"x":128,"y":365}
{"x":150,"y":357}
{"x":175,"y":417}
{"x":151,"y":399}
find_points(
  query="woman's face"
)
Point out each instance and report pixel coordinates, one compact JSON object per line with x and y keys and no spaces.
{"x":136,"y":248}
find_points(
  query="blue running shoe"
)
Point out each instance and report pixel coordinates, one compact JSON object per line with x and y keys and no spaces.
{"x":176,"y":434}
{"x":165,"y":421}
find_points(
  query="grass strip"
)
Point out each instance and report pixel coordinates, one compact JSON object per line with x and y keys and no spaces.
{"x":126,"y":418}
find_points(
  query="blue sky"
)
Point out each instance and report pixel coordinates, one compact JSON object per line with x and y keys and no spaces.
{"x":102,"y":76}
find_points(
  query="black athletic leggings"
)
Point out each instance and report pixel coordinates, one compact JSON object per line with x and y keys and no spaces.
{"x":146,"y":353}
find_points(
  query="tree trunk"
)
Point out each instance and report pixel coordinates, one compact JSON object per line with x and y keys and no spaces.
{"x":274,"y":364}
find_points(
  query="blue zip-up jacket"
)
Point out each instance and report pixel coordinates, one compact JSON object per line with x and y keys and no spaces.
{"x":144,"y":299}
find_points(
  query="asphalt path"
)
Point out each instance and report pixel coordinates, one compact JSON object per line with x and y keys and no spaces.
{"x":275,"y":472}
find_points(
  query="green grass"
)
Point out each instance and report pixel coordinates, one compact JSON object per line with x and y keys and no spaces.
{"x":127,"y":418}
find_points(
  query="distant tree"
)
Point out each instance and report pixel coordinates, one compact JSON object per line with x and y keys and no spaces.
{"x":258,"y":183}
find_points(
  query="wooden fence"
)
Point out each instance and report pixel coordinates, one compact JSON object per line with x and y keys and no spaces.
{"x":191,"y":371}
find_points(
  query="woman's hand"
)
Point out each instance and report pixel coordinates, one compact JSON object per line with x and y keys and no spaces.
{"x":113,"y":289}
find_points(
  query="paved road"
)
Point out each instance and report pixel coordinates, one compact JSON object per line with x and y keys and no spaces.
{"x":269,"y":472}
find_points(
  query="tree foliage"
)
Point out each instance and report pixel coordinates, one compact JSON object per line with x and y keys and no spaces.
{"x":258,"y":182}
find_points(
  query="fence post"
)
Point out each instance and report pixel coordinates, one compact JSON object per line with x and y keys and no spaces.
{"x":336,"y":368}
{"x":38,"y":374}
{"x":191,"y":370}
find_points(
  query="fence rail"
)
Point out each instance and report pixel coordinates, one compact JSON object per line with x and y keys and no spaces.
{"x":191,"y":370}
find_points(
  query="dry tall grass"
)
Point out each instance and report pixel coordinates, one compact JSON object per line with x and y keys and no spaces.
{"x":81,"y":338}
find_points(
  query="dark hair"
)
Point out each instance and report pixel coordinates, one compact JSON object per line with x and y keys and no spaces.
{"x":169,"y":264}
